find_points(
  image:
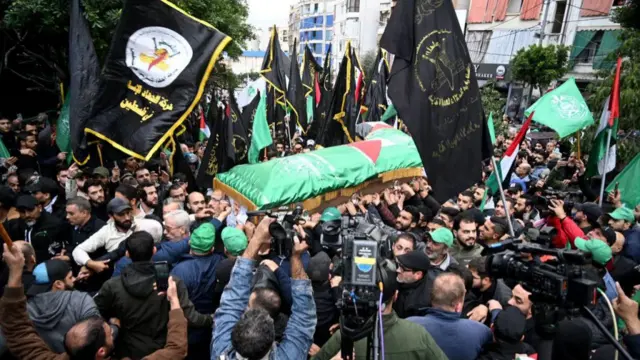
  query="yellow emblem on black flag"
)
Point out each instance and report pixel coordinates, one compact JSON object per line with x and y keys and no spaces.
{"x":154,"y":76}
{"x":433,"y":86}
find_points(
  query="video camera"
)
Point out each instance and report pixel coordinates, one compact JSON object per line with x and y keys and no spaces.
{"x":282,"y":232}
{"x":559,"y":288}
{"x":360,"y":290}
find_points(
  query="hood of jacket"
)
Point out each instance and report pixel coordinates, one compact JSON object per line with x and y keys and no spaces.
{"x":47,"y":309}
{"x":138,"y":279}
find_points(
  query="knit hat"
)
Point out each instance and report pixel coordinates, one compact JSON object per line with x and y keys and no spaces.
{"x":509,"y":325}
{"x":235,"y":241}
{"x":442,"y":236}
{"x":203,"y":238}
{"x":330,"y":214}
{"x":623,"y":213}
{"x":600,"y":252}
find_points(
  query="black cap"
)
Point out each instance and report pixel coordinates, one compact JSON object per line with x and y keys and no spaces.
{"x":609,"y":234}
{"x":117,"y":205}
{"x":592,"y":211}
{"x":509,"y":325}
{"x":318,"y":269}
{"x":46,"y":273}
{"x":26,"y":202}
{"x":416,"y":260}
{"x":43,"y":185}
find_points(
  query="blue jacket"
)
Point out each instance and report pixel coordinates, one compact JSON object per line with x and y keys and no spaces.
{"x":631,"y":247}
{"x":459,"y":339}
{"x":298,"y":335}
{"x":165,"y":251}
{"x":198,"y":275}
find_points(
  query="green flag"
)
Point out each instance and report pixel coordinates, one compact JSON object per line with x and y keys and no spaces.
{"x":261,"y":137}
{"x":309,"y":109}
{"x":563,"y":110}
{"x":628,"y":183}
{"x":63,"y":138}
{"x":389,"y":115}
{"x":492,"y":129}
{"x":4,"y":153}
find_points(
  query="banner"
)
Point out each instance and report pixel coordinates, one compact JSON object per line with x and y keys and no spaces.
{"x":375,"y":101}
{"x":323,"y":175}
{"x":154,"y":76}
{"x":296,"y":97}
{"x":434,"y":89}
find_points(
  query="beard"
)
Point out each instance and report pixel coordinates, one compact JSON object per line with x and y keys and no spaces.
{"x":126,"y":225}
{"x":465,"y":246}
{"x":519,"y":215}
{"x":150,"y":203}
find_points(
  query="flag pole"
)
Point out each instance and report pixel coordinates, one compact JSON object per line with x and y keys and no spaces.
{"x":604,"y":171}
{"x":504,"y":199}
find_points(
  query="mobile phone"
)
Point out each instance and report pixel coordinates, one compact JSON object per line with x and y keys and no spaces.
{"x":615,"y":190}
{"x":162,"y":275}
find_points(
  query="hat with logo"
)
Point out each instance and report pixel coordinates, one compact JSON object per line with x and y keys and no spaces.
{"x":235,"y":240}
{"x":509,"y":325}
{"x":623,"y":213}
{"x":442,"y":236}
{"x":46,"y":273}
{"x":101,"y":171}
{"x":26,"y":202}
{"x":416,"y":260}
{"x":600,"y":252}
{"x":330,"y":214}
{"x":203,"y":238}
{"x":311,"y":143}
{"x":592,"y":211}
{"x":117,"y":205}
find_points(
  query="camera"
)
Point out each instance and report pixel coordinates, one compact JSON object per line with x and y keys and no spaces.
{"x":558,"y":288}
{"x":282,"y":232}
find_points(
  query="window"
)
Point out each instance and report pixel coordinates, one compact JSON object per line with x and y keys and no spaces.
{"x":619,"y":2}
{"x":353,"y":5}
{"x":561,"y":8}
{"x":315,"y":8}
{"x":328,"y":35}
{"x":589,"y":53}
{"x":514,"y":6}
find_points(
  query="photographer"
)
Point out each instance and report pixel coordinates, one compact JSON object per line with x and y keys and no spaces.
{"x":567,"y":229}
{"x":251,"y":333}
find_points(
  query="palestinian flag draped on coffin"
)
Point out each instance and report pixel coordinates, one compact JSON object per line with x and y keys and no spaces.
{"x":154,"y":76}
{"x":434,"y":88}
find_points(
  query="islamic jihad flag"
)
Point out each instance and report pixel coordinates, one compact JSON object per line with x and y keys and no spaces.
{"x":434,"y":89}
{"x":375,"y":101}
{"x":154,"y":76}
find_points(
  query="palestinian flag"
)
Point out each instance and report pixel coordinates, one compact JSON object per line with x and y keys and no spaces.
{"x":607,"y":131}
{"x":507,"y":164}
{"x":205,"y":132}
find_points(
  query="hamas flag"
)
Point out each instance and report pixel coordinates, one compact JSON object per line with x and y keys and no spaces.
{"x":154,"y":76}
{"x":340,"y":123}
{"x":375,"y":101}
{"x":434,"y":89}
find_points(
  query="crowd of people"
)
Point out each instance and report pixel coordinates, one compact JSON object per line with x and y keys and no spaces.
{"x":80,"y":280}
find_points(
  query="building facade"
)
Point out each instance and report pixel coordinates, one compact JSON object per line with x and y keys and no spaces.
{"x":311,"y":23}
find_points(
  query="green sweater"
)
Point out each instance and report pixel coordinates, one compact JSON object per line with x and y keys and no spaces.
{"x":403,"y":340}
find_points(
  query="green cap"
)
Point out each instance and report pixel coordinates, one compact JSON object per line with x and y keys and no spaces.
{"x":330,"y":214}
{"x":235,"y":241}
{"x":202,"y":238}
{"x":600,"y":251}
{"x":623,"y":213}
{"x":442,"y":236}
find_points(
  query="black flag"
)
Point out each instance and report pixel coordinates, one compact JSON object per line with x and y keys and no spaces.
{"x":226,"y":152}
{"x":296,"y":96}
{"x":275,"y":71}
{"x":248,"y":113}
{"x":434,"y":89}
{"x":154,"y":76}
{"x":323,"y":97}
{"x":310,"y":72}
{"x":375,"y":101}
{"x":209,"y":165}
{"x":240,"y":139}
{"x":84,"y":70}
{"x":339,"y":126}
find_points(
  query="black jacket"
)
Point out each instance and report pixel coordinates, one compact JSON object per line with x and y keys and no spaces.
{"x":327,"y":313}
{"x":142,"y":312}
{"x":47,"y":235}
{"x":79,"y":235}
{"x":414,"y":298}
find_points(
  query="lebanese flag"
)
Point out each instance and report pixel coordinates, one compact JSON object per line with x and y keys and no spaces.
{"x":509,"y":159}
{"x":205,"y":133}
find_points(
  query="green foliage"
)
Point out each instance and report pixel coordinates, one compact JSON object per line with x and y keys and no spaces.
{"x":628,"y":146}
{"x":538,"y":66}
{"x":629,"y":15}
{"x":492,"y":100}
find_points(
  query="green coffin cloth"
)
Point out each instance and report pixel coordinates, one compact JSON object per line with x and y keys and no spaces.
{"x":323,"y":175}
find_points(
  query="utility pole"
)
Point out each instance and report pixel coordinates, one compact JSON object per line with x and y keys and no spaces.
{"x":547,"y":4}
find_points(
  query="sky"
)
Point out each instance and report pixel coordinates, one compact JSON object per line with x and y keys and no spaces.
{"x":264,"y":13}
